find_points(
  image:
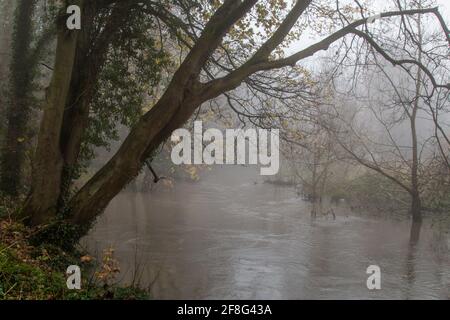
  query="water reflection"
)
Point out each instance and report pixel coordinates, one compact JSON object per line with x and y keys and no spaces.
{"x":233,"y":237}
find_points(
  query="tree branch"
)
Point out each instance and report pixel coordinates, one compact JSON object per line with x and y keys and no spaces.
{"x":234,"y":79}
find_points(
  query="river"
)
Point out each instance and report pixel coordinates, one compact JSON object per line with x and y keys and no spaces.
{"x":230,"y":236}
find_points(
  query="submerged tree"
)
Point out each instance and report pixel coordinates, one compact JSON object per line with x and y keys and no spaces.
{"x":395,"y":104}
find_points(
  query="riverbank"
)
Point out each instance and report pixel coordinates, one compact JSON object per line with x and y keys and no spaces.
{"x":37,"y":272}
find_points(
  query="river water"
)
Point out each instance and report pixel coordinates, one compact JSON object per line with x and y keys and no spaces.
{"x":230,"y":236}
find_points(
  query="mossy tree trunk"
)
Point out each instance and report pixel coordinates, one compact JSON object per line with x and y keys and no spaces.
{"x":41,"y":204}
{"x":19,"y":99}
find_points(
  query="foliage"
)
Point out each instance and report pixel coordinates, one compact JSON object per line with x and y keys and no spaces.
{"x":132,"y":71}
{"x":375,"y":192}
{"x":436,"y":194}
{"x":38,"y":272}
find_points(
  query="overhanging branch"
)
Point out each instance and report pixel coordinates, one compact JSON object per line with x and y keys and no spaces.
{"x":234,"y":79}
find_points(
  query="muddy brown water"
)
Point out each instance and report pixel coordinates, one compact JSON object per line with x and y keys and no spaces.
{"x":230,"y":236}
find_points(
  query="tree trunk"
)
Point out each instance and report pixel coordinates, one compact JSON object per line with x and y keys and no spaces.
{"x":170,"y":113}
{"x":19,"y":106}
{"x":87,"y":65}
{"x":416,"y":208}
{"x":14,"y":147}
{"x":415,"y":233}
{"x":416,"y":205}
{"x":6,"y":25}
{"x":87,"y":62}
{"x":314,"y":197}
{"x":41,"y":205}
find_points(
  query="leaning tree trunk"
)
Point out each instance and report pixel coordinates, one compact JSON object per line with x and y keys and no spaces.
{"x":170,"y":113}
{"x":46,"y":179}
{"x":181,"y":98}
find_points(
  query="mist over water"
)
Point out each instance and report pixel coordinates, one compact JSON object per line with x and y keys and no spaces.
{"x":231,"y":236}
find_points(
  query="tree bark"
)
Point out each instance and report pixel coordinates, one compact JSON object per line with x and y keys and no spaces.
{"x":414,"y":233}
{"x":19,"y":106}
{"x":6,"y":14}
{"x":89,"y":59}
{"x":40,"y":206}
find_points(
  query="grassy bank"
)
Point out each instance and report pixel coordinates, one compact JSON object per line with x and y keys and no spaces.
{"x":37,"y":272}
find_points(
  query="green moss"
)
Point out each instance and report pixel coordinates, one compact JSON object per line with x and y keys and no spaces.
{"x":22,"y":280}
